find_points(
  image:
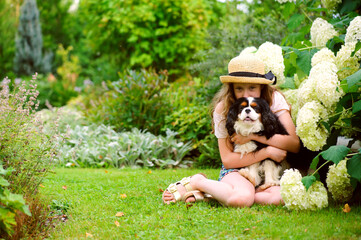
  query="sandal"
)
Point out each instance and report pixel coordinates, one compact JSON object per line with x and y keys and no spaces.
{"x":172,"y":188}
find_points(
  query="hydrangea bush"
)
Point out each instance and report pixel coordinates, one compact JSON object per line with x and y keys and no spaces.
{"x":322,"y":83}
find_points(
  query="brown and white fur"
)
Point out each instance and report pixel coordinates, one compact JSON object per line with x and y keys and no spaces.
{"x":253,"y":115}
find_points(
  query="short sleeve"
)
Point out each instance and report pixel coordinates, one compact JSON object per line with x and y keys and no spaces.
{"x":219,"y":125}
{"x":279,"y":104}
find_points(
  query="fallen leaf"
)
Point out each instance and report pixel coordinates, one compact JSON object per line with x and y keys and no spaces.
{"x":117,"y":223}
{"x":254,"y":227}
{"x":106,"y":171}
{"x":88,"y":235}
{"x":100,"y":157}
{"x":41,"y":185}
{"x":246,"y":229}
{"x":346,"y":209}
{"x":160,"y":190}
{"x":119,"y":214}
{"x":174,"y":170}
{"x":149,"y":172}
{"x":188,"y":205}
{"x":64,"y":187}
{"x":306,"y":230}
{"x":123,"y":195}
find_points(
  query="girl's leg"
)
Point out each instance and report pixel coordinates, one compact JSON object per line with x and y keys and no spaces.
{"x":234,"y":190}
{"x":271,"y":195}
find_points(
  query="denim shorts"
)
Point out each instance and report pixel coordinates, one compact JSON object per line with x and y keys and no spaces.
{"x":224,"y":171}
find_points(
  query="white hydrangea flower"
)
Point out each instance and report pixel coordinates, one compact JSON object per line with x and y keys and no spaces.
{"x":248,"y":50}
{"x":324,"y":55}
{"x":353,"y":32}
{"x":346,"y":64}
{"x":306,"y":92}
{"x":327,"y":86}
{"x":331,"y":4}
{"x":312,"y":133}
{"x":271,"y":55}
{"x":292,"y":98}
{"x":338,"y":182}
{"x":296,"y":197}
{"x":321,"y":32}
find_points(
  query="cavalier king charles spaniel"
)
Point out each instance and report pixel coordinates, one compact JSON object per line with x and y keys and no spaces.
{"x":253,"y":115}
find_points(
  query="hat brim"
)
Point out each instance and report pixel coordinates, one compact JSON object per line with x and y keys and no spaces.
{"x":234,"y":79}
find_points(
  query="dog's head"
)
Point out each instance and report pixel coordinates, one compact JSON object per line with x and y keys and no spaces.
{"x":247,"y":115}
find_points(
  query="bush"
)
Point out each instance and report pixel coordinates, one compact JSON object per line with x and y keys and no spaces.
{"x":101,"y":146}
{"x":25,"y":151}
{"x":135,"y":101}
{"x":160,"y":34}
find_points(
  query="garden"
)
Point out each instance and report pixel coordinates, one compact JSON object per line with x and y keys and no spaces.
{"x":104,"y":103}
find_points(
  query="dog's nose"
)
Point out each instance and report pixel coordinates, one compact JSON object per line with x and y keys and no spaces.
{"x":248,"y":111}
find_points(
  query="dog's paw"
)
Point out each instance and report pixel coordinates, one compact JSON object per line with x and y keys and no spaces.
{"x":245,"y":173}
{"x":267,"y":185}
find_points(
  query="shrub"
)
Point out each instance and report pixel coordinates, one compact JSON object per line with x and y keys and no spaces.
{"x":101,"y":146}
{"x":135,"y":101}
{"x":25,"y":150}
{"x":159,"y":34}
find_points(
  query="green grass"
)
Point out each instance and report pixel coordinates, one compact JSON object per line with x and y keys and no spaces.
{"x":95,"y":199}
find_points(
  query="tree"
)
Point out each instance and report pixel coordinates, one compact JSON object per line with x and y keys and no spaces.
{"x":29,"y":42}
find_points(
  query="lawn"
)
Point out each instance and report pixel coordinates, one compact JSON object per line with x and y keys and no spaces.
{"x":96,"y":196}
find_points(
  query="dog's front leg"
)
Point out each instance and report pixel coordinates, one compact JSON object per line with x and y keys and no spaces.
{"x":271,"y":174}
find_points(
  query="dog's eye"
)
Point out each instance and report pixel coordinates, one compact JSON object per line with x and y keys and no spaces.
{"x":254,"y":104}
{"x":244,"y":104}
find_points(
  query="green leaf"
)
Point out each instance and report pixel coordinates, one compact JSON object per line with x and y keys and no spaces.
{"x":354,"y":167}
{"x":304,"y":60}
{"x":295,"y":21}
{"x":289,"y":83}
{"x":335,"y":153}
{"x":356,"y":107}
{"x":308,"y":181}
{"x":314,"y":162}
{"x":4,"y":182}
{"x":357,"y":47}
{"x":354,"y":79}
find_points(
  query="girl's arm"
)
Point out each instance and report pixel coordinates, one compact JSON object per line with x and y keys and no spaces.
{"x":290,"y":143}
{"x":231,"y":159}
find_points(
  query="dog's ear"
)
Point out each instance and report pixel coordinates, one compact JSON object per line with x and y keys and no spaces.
{"x":269,"y":119}
{"x":231,"y":118}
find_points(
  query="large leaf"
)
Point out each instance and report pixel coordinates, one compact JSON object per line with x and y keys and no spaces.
{"x":314,"y":162}
{"x":308,"y":181}
{"x":335,"y":153}
{"x":295,"y":21}
{"x":354,"y":167}
{"x":356,"y":107}
{"x":354,"y":79}
{"x":304,"y":60}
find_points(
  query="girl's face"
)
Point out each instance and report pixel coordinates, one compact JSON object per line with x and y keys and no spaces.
{"x":247,"y":90}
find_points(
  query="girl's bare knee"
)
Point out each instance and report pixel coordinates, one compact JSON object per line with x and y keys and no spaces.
{"x":241,"y":200}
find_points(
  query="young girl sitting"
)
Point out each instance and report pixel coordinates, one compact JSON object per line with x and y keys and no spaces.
{"x":246,"y":79}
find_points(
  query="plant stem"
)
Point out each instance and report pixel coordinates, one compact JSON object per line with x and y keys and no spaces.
{"x":320,"y":167}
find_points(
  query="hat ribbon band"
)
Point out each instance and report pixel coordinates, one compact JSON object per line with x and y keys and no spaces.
{"x":269,"y":75}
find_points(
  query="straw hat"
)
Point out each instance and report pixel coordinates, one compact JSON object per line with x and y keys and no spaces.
{"x":247,"y":69}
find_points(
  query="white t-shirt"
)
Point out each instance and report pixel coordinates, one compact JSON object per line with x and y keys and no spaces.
{"x":278,"y":107}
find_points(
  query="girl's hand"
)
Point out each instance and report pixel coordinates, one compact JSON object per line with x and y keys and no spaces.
{"x":276,"y":154}
{"x":239,"y":139}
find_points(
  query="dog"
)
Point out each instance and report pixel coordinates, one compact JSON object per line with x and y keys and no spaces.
{"x":253,"y":115}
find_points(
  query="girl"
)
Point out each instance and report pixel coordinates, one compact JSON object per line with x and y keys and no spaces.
{"x":246,"y":78}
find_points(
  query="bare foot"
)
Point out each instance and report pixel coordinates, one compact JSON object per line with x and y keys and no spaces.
{"x":168,"y":197}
